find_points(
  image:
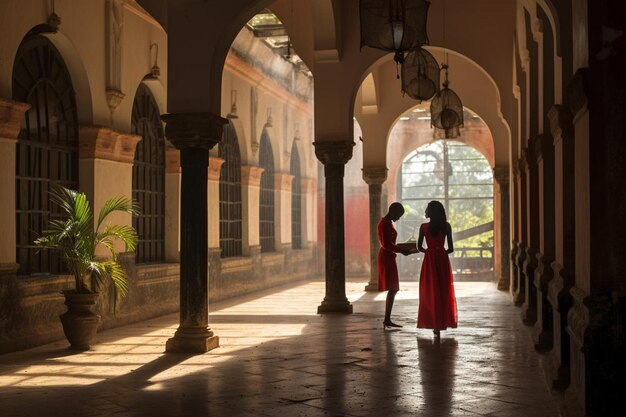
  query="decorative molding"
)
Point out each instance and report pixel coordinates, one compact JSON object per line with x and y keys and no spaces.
{"x":114,"y":98}
{"x":215,"y":167}
{"x":251,"y":175}
{"x":97,"y":142}
{"x":334,"y":152}
{"x":114,"y":35}
{"x":308,"y":185}
{"x":193,"y":130}
{"x":375,"y":175}
{"x":11,"y":116}
{"x":501,"y":175}
{"x":172,"y":158}
{"x":283,"y":181}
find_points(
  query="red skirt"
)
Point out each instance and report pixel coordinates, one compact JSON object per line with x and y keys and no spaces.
{"x":387,"y":271}
{"x":437,"y":302}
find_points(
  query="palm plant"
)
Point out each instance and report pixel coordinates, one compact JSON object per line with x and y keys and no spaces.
{"x":76,"y":238}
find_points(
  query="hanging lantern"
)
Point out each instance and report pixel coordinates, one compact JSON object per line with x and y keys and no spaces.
{"x":453,"y":133}
{"x":394,"y":25}
{"x":420,"y":75}
{"x":446,"y":109}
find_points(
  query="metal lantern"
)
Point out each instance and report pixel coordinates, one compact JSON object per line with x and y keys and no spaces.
{"x":394,"y":25}
{"x":453,"y":133}
{"x":446,"y":108}
{"x":420,"y":75}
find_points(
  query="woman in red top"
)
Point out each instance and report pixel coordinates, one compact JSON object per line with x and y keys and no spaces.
{"x":387,"y":268}
{"x":437,"y":304}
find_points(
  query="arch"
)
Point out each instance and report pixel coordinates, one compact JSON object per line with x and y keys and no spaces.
{"x":231,"y":214}
{"x":296,"y":198}
{"x":78,"y":73}
{"x":149,"y":177}
{"x":266,"y":196}
{"x":325,"y":43}
{"x":369,"y":98}
{"x":47,"y":146}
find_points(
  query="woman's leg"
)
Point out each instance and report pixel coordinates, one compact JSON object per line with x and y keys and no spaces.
{"x":391,"y":295}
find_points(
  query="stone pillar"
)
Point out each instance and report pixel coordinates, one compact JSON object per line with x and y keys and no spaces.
{"x":503,"y":245}
{"x":374,"y":177}
{"x":213,"y":193}
{"x":11,"y":115}
{"x":105,"y":169}
{"x":559,"y":286}
{"x":172,"y":203}
{"x":520,"y":290}
{"x":250,"y":190}
{"x":282,"y":214}
{"x":542,"y":332}
{"x":334,"y":155}
{"x":515,"y":219}
{"x":529,"y":308}
{"x":193,"y":134}
{"x":308,"y":188}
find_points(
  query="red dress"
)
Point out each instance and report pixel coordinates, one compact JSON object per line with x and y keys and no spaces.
{"x":437,"y":304}
{"x":387,"y":267}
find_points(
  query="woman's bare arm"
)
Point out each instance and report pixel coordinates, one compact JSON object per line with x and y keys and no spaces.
{"x":449,"y":238}
{"x":420,"y":241}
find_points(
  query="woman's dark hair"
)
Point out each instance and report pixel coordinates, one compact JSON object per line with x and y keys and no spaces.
{"x":438,"y":219}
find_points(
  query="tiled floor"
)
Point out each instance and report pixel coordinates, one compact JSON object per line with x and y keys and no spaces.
{"x":278,"y":358}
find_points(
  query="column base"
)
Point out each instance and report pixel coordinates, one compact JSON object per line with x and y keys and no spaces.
{"x":372,"y":287}
{"x":335,"y":306}
{"x":503,"y":284}
{"x":192,"y":341}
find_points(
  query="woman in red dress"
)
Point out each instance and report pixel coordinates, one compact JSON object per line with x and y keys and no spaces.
{"x":387,"y":268}
{"x":437,"y":304}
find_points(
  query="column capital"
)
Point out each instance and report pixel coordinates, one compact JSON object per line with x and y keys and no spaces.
{"x":283,"y":181}
{"x":561,"y":124}
{"x":11,"y":115}
{"x":215,"y":167}
{"x":577,"y":93}
{"x":501,"y":175}
{"x":543,"y":146}
{"x":334,"y":152}
{"x":375,"y":175}
{"x":194,"y":130}
{"x":251,"y":175}
{"x":528,"y":154}
{"x":98,"y":142}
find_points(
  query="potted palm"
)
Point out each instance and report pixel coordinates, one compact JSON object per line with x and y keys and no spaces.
{"x":76,"y":236}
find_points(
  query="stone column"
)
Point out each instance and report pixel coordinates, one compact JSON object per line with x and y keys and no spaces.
{"x":172,"y":203}
{"x":194,"y":134}
{"x":542,"y":332}
{"x":250,"y":189}
{"x":213,"y":213}
{"x":11,"y":115}
{"x":374,"y":177}
{"x":515,"y":214}
{"x":334,"y":155}
{"x":501,"y":175}
{"x":529,"y":308}
{"x":282,"y":214}
{"x":558,"y":288}
{"x":520,"y":290}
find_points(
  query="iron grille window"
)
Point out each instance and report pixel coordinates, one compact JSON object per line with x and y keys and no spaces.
{"x":266,"y":197}
{"x":230,"y":194}
{"x":149,"y":177}
{"x":296,"y":200}
{"x":47,"y":147}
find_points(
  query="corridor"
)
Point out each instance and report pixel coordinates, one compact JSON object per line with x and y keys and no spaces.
{"x":278,"y":358}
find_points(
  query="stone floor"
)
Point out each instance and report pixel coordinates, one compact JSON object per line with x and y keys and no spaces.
{"x":278,"y":358}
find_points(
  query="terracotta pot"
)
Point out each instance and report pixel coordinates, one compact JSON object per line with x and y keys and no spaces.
{"x":79,"y":322}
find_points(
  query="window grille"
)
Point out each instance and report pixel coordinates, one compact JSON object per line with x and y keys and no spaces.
{"x":149,"y":177}
{"x":296,"y":200}
{"x":47,"y":148}
{"x":230,"y":194}
{"x":266,"y":197}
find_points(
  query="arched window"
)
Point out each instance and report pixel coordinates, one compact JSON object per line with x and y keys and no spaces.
{"x":47,"y":147}
{"x":149,"y":177}
{"x":296,"y":199}
{"x":230,"y":193}
{"x":266,"y":197}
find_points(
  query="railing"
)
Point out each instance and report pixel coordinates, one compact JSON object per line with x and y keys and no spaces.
{"x":467,"y":263}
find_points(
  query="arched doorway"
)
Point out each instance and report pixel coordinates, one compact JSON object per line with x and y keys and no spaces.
{"x":461,"y":178}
